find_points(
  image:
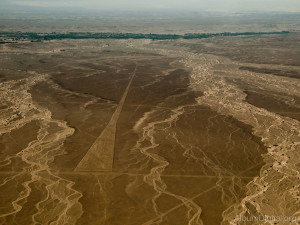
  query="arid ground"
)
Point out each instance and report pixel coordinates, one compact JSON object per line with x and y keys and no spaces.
{"x":141,"y":132}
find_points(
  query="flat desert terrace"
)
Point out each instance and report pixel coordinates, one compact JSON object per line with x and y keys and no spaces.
{"x":149,"y":129}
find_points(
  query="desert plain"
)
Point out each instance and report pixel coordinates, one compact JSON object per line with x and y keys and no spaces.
{"x":144,"y":132}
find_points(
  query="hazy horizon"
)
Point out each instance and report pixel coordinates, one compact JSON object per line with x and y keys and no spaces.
{"x":188,"y":5}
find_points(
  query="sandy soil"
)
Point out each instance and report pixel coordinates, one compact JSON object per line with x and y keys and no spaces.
{"x":149,"y":132}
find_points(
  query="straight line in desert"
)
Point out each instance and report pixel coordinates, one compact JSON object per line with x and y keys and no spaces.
{"x":111,"y":173}
{"x":100,"y":156}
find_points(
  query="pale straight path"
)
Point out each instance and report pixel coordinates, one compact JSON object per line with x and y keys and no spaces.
{"x":100,"y":156}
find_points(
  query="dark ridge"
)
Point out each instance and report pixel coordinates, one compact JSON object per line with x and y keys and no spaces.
{"x":283,"y":73}
{"x":272,"y":104}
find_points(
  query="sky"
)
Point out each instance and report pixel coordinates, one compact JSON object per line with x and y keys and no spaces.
{"x":194,"y":5}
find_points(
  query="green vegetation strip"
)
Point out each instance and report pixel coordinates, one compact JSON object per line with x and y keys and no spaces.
{"x":86,"y":35}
